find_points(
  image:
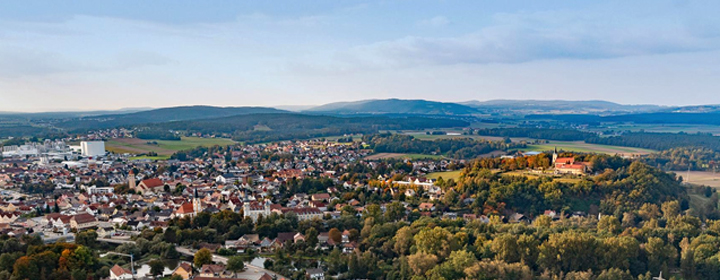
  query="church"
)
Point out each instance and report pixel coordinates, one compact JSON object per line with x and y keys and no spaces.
{"x":568,"y":165}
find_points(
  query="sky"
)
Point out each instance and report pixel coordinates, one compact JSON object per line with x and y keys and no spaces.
{"x":90,"y":55}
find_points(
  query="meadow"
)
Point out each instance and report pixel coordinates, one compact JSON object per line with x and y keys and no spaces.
{"x":446,"y":175}
{"x":164,"y":148}
{"x":582,"y":147}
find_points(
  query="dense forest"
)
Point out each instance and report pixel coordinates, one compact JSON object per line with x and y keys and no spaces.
{"x":156,"y":134}
{"x":708,"y":118}
{"x":536,"y":133}
{"x":258,"y":128}
{"x":463,"y":148}
{"x":609,"y":190}
{"x":660,"y":141}
{"x":684,"y":158}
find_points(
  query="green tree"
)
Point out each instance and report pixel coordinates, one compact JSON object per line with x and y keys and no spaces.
{"x":569,"y":251}
{"x":403,"y":240}
{"x":202,"y":257}
{"x":609,"y":224}
{"x":157,"y":267}
{"x":86,"y":238}
{"x":235,"y":264}
{"x":437,"y":241}
{"x":421,"y":262}
{"x":311,"y":237}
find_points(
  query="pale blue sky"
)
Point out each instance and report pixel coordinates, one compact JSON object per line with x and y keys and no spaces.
{"x":60,"y":55}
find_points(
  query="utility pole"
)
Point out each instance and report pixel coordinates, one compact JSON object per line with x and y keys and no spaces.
{"x":132,"y":264}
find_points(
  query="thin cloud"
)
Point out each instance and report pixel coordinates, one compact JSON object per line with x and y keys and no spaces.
{"x":437,"y":21}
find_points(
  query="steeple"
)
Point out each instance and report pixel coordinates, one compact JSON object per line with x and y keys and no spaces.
{"x":131,"y":180}
{"x":555,"y":156}
{"x":197,"y":207}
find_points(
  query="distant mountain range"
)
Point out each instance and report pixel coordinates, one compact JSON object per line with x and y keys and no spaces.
{"x":388,"y":110}
{"x":162,"y":115}
{"x":71,"y":114}
{"x":560,"y":105}
{"x":394,"y":106}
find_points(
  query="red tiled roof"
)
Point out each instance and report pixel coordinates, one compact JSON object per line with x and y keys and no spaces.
{"x":118,"y":270}
{"x":151,"y":183}
{"x":186,"y":208}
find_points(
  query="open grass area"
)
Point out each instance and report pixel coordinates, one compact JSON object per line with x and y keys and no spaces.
{"x":702,"y":178}
{"x":164,"y":148}
{"x":446,"y":175}
{"x":582,"y":147}
{"x":150,"y":157}
{"x":423,"y":136}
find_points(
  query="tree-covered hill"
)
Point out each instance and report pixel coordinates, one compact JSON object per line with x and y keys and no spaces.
{"x":395,"y":106}
{"x":161,"y":115}
{"x":255,"y":128}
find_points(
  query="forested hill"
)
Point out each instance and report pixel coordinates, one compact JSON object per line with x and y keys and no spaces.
{"x":559,"y":105}
{"x":161,"y":115}
{"x":709,"y":118}
{"x":284,"y":126}
{"x":620,"y":186}
{"x":462,"y":148}
{"x":394,"y":106}
{"x":660,"y":141}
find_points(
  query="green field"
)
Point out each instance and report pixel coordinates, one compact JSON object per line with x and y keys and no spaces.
{"x":583,"y":147}
{"x":446,"y":175}
{"x":150,"y":157}
{"x":164,"y":148}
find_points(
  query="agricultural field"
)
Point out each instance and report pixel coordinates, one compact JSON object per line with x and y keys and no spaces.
{"x":164,"y":148}
{"x":705,"y":178}
{"x":446,"y":175}
{"x":422,"y":136}
{"x":582,"y":147}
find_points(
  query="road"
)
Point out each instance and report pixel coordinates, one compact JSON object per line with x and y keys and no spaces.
{"x":251,"y":270}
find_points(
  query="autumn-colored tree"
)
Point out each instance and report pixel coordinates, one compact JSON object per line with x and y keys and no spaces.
{"x":437,"y":241}
{"x":403,"y":240}
{"x":421,"y":262}
{"x":335,"y":235}
{"x":488,"y":270}
{"x":202,"y":257}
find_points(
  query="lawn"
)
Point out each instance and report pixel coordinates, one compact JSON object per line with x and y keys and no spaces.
{"x":163,"y":148}
{"x":582,"y":147}
{"x":446,"y":175}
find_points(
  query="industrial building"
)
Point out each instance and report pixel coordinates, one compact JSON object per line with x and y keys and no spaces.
{"x":92,"y":148}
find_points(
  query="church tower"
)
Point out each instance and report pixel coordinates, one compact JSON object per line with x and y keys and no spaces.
{"x":197,"y":207}
{"x":555,"y":156}
{"x":131,"y":180}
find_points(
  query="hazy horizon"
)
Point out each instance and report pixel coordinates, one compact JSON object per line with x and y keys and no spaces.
{"x":88,"y":55}
{"x":308,"y":106}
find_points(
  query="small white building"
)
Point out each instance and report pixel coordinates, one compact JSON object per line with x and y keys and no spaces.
{"x":92,"y":148}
